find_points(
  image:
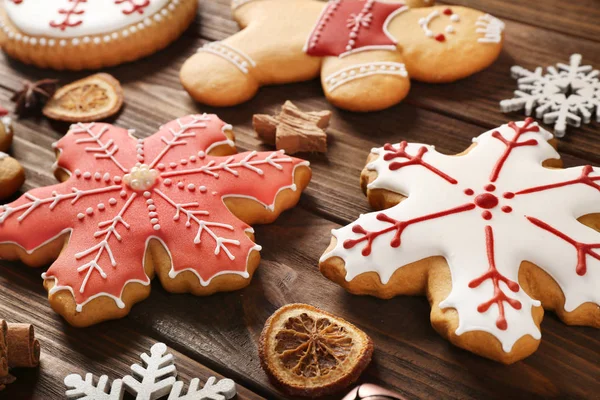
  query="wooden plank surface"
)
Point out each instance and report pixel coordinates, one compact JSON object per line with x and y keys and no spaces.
{"x":218,"y":335}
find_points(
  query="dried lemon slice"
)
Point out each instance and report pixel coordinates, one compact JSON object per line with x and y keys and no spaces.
{"x":309,"y":352}
{"x":90,"y":99}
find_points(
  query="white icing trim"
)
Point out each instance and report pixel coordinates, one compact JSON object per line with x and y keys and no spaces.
{"x":491,"y":28}
{"x":271,"y":207}
{"x":3,"y":155}
{"x":359,"y":71}
{"x":13,"y":34}
{"x":321,"y":23}
{"x":238,"y":58}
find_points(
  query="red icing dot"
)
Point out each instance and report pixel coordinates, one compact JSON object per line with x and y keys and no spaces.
{"x":448,"y":11}
{"x":486,"y":200}
{"x":486,"y":215}
{"x":506,"y":209}
{"x":490,"y":187}
{"x":509,"y":195}
{"x":440,"y":37}
{"x":469,"y":192}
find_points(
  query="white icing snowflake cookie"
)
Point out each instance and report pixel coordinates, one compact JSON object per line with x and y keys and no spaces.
{"x":492,"y":236}
{"x":87,"y":34}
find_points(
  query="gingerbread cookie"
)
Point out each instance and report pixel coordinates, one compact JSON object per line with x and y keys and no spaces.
{"x":82,"y":34}
{"x":6,"y":132}
{"x":177,"y":204}
{"x":493,"y":237}
{"x":12,"y":176}
{"x":364,"y":50}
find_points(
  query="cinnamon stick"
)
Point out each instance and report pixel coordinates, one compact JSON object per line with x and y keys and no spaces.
{"x":3,"y":349}
{"x":23,"y":347}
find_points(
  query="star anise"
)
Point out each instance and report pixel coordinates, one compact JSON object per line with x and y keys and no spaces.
{"x":34,"y":95}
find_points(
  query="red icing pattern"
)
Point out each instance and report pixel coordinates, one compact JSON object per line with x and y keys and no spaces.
{"x":440,"y":37}
{"x":135,"y":7}
{"x":496,"y":277}
{"x":398,"y":226}
{"x":417,"y":159}
{"x":584,"y":178}
{"x":486,"y":201}
{"x":352,"y":25}
{"x":513,"y":143}
{"x":69,"y":20}
{"x":182,"y":204}
{"x":582,"y":249}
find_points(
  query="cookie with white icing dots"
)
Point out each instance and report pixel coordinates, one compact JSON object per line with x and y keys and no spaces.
{"x":365,"y":51}
{"x":86,"y":34}
{"x":178,"y":204}
{"x":12,"y":176}
{"x":492,"y":236}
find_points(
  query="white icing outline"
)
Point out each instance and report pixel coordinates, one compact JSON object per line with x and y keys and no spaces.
{"x":491,"y":28}
{"x":13,"y":34}
{"x":238,"y":58}
{"x":400,"y":70}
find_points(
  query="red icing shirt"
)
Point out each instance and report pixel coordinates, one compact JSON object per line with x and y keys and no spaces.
{"x":353,"y":25}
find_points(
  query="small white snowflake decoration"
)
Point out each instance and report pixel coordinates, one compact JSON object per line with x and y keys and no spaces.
{"x":153,"y":381}
{"x":565,"y":95}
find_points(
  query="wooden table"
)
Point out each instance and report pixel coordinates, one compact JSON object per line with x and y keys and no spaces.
{"x":218,"y":335}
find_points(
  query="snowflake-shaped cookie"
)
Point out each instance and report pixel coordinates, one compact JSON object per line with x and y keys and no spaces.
{"x":491,"y":216}
{"x":565,"y":95}
{"x":166,"y":197}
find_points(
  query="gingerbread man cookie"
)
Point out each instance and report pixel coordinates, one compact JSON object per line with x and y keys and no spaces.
{"x":492,"y":236}
{"x":178,"y":204}
{"x":85,"y":34}
{"x":364,"y":50}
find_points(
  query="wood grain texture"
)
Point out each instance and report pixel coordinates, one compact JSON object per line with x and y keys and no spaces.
{"x":220,"y":333}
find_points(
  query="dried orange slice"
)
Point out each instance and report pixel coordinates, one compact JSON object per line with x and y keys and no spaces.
{"x":89,"y":99}
{"x":309,"y":352}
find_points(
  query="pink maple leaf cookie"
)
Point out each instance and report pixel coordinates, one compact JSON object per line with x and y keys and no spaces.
{"x":86,"y":34}
{"x":492,"y":236}
{"x":178,"y":204}
{"x":365,"y":51}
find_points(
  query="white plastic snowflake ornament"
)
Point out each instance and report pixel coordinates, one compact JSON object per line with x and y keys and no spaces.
{"x":565,"y":95}
{"x":485,"y":212}
{"x":154,"y":380}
